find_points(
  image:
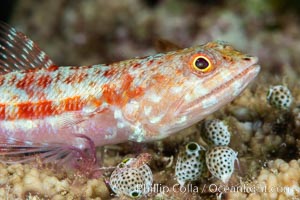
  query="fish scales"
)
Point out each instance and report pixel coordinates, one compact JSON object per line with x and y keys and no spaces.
{"x":141,"y":99}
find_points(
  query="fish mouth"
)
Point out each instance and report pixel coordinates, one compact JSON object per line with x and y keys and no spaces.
{"x":253,"y":65}
{"x":250,"y":70}
{"x":249,"y":73}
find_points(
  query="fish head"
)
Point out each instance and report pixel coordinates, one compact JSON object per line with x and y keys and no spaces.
{"x":192,"y":84}
{"x":215,"y":74}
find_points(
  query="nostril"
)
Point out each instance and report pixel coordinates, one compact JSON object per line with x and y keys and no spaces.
{"x":247,"y":58}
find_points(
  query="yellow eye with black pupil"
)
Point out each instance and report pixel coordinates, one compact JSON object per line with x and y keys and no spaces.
{"x":201,"y":63}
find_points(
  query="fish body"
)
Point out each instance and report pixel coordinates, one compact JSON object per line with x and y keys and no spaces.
{"x":141,"y":99}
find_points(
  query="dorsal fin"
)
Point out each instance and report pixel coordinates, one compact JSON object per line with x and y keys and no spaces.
{"x":18,"y":52}
{"x":163,"y":46}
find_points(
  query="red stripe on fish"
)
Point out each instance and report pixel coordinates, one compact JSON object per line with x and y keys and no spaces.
{"x":29,"y":110}
{"x":110,"y":72}
{"x":71,"y":104}
{"x":1,"y":80}
{"x":120,"y":96}
{"x":26,"y":81}
{"x":44,"y":81}
{"x":52,"y":68}
{"x":2,"y":111}
{"x":34,"y":110}
{"x":76,"y":78}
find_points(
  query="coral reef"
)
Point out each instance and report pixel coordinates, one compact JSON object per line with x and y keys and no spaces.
{"x":280,"y":180}
{"x":30,"y":182}
{"x":266,"y":138}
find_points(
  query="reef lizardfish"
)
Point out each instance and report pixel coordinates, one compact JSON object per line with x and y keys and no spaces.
{"x":56,"y":111}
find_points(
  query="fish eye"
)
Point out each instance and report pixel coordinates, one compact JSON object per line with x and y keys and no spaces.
{"x":201,"y":63}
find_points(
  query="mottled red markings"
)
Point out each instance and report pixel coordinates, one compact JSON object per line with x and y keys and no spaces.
{"x":88,"y":66}
{"x":2,"y":111}
{"x":69,"y":79}
{"x":97,"y":71}
{"x":1,"y":80}
{"x":110,"y":72}
{"x":39,"y":95}
{"x":73,"y":67}
{"x":92,"y":84}
{"x":159,"y":78}
{"x":29,"y":70}
{"x":26,"y":81}
{"x":44,"y":81}
{"x":121,"y":96}
{"x":57,"y":77}
{"x":178,"y":71}
{"x":30,"y":110}
{"x":110,"y":95}
{"x":12,"y":80}
{"x":169,"y":57}
{"x":71,"y":104}
{"x":52,"y":68}
{"x":135,"y":93}
{"x":127,"y":80}
{"x":136,"y":65}
{"x":149,"y":62}
{"x":81,"y":77}
{"x":94,"y":101}
{"x":76,"y":77}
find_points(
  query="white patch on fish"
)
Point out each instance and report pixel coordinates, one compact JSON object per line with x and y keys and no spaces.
{"x":206,"y":103}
